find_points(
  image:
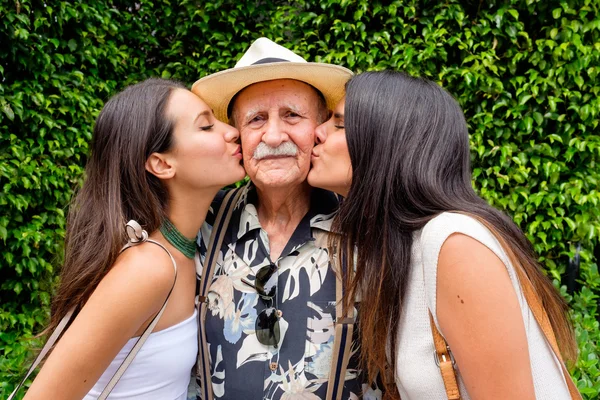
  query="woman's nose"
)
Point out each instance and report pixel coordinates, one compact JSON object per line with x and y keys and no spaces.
{"x":231,"y":134}
{"x":321,"y":133}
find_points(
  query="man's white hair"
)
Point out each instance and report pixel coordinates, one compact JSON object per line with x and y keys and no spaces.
{"x":284,"y":149}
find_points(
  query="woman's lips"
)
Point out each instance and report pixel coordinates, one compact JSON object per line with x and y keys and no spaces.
{"x":238,"y":152}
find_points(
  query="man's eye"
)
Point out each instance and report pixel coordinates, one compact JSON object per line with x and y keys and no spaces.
{"x":207,"y":127}
{"x":293,"y":114}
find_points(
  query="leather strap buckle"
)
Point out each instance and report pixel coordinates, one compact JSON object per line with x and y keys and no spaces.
{"x":437,"y":357}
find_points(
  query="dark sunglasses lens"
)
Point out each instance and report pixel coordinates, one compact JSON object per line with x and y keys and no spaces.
{"x":267,"y":327}
{"x":266,"y":281}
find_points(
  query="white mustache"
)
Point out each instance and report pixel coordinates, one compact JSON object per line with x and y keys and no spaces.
{"x":284,"y":149}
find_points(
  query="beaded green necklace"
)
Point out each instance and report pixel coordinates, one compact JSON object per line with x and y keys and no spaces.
{"x":186,"y":246}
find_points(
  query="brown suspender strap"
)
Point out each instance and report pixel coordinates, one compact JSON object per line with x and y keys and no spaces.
{"x":445,"y":361}
{"x":216,"y":239}
{"x":342,"y":342}
{"x":339,"y":362}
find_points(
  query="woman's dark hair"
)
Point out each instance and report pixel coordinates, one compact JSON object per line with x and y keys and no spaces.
{"x":131,"y":126}
{"x":409,"y":148}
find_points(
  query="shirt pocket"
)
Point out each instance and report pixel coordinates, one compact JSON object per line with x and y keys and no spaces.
{"x":320,"y":335}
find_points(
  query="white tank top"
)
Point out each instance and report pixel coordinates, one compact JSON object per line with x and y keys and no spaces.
{"x":160,"y":371}
{"x":418,"y":377}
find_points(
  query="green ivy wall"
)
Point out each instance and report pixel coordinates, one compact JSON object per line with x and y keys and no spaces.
{"x":525,"y":72}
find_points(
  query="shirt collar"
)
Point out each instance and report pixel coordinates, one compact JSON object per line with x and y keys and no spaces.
{"x":323,"y":205}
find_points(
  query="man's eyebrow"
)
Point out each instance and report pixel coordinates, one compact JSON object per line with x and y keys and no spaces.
{"x":251,"y":112}
{"x":294,"y":108}
{"x":205,"y":113}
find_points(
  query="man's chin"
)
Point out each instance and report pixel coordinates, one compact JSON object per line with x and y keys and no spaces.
{"x":274,"y":160}
{"x":276,"y":166}
{"x":278,"y":177}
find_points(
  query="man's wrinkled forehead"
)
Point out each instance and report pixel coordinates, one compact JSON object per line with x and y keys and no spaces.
{"x":264,"y":95}
{"x":262,"y":106}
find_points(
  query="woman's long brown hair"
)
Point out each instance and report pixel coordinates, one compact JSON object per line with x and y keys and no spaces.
{"x":409,"y":149}
{"x":131,"y":126}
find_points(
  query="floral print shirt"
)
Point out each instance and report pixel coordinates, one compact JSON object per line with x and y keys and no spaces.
{"x":243,"y":368}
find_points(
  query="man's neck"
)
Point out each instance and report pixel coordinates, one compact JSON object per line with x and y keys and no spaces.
{"x":280,"y":211}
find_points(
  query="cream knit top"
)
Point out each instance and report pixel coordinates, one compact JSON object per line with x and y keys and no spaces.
{"x":418,"y":376}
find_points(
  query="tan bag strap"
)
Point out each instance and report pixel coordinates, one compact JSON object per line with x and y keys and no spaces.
{"x":445,"y":361}
{"x":540,"y":315}
{"x":136,"y":236}
{"x":216,"y":239}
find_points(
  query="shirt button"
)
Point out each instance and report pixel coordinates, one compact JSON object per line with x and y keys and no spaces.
{"x":273,"y":366}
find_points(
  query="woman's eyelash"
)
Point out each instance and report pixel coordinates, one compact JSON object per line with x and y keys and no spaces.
{"x":207,"y":127}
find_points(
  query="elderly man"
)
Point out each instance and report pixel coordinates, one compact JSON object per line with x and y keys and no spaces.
{"x":270,"y":328}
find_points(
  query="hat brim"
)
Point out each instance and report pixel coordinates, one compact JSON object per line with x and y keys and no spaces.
{"x":218,"y":89}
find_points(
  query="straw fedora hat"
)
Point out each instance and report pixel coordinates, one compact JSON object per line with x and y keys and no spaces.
{"x":265,"y":60}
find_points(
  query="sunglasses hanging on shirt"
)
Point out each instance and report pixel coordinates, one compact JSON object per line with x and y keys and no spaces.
{"x":267,"y":321}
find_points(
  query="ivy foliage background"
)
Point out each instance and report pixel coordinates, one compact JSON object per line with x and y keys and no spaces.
{"x":525,"y":72}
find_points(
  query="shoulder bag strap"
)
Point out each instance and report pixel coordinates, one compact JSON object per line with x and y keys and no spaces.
{"x":342,"y":342}
{"x":446,"y":362}
{"x":540,"y":315}
{"x":51,"y":340}
{"x":216,"y":239}
{"x":136,"y":236}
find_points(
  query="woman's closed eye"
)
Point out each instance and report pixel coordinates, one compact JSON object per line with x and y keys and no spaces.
{"x":207,"y":127}
{"x":338,"y":120}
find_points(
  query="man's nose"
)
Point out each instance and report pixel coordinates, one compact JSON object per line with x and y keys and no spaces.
{"x":274,"y":134}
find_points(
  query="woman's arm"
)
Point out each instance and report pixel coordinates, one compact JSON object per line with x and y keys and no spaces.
{"x":479,"y":314}
{"x":130,"y":294}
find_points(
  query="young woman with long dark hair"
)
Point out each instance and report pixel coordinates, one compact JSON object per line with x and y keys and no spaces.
{"x":158,"y":156}
{"x":431,"y":255}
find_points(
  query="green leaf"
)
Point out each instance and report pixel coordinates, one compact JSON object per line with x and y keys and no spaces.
{"x":8,"y":111}
{"x":524,"y":99}
{"x":556,"y":13}
{"x":72,"y":45}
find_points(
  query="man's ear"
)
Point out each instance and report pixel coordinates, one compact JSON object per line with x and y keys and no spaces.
{"x":160,"y":166}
